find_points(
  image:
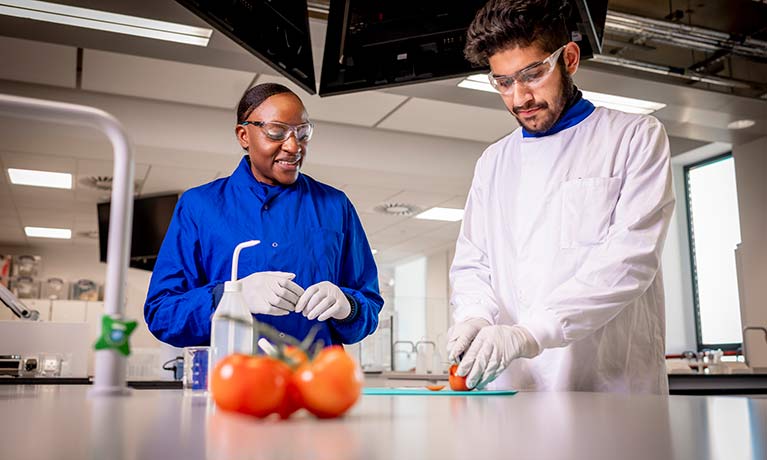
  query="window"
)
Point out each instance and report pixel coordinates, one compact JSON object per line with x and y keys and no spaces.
{"x":714,"y":223}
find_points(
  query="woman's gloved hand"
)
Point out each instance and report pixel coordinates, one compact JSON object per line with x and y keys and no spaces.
{"x":323,"y":301}
{"x":271,"y":293}
{"x":491,"y":352}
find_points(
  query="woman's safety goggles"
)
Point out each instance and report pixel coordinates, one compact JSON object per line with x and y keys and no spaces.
{"x":531,"y":76}
{"x":279,"y":132}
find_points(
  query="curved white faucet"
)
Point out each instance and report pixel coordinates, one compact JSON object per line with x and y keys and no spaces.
{"x":110,"y":365}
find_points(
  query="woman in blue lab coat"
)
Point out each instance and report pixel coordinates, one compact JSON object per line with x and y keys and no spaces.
{"x":314,"y":264}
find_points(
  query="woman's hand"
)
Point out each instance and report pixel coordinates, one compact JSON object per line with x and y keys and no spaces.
{"x":271,"y":293}
{"x":323,"y":301}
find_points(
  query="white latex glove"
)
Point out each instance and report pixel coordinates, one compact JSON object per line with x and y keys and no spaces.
{"x":461,"y":335}
{"x":322,"y":301}
{"x":271,"y":293}
{"x":491,"y":352}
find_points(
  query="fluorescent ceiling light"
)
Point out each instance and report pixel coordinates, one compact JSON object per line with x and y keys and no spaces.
{"x":741,"y":124}
{"x":103,"y":20}
{"x":45,"y":232}
{"x":479,"y":82}
{"x":446,"y":214}
{"x":624,"y":104}
{"x":40,"y":178}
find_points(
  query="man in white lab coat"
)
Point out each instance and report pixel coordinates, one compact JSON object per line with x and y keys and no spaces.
{"x":556,"y":278}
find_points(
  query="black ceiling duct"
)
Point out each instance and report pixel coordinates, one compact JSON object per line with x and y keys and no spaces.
{"x":372,"y":44}
{"x":277,"y":32}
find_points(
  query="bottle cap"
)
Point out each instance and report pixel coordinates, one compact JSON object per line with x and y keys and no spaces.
{"x":232,"y":286}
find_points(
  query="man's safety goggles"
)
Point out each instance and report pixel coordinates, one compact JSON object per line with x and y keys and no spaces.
{"x":531,"y":76}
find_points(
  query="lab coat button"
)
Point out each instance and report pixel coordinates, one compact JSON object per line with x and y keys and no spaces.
{"x":274,"y":245}
{"x":266,"y":207}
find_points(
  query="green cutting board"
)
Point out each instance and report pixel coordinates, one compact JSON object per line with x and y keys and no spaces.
{"x":425,"y":392}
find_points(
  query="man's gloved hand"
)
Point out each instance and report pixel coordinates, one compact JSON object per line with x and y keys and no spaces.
{"x":461,"y":335}
{"x":322,"y":301}
{"x":271,"y":293}
{"x":492,"y":350}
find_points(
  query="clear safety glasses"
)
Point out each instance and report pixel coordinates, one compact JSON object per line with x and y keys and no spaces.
{"x":531,"y":76}
{"x":279,"y":132}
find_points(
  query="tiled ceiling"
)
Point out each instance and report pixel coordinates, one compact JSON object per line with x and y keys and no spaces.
{"x":163,"y":80}
{"x":354,"y":109}
{"x":177,"y":104}
{"x":425,"y":116}
{"x":38,"y":62}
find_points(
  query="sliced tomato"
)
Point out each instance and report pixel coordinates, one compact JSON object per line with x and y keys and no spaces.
{"x":435,"y":387}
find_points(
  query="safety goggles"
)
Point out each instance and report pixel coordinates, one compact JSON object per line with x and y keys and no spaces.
{"x":279,"y":132}
{"x":531,"y":76}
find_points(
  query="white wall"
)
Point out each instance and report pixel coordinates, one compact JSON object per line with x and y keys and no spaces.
{"x":437,"y":311}
{"x":751,"y":172}
{"x":410,"y":300}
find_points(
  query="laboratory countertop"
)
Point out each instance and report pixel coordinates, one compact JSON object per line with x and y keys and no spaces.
{"x":679,"y":384}
{"x":47,"y":421}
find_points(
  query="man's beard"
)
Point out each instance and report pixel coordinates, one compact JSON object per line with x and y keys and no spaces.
{"x":566,"y":92}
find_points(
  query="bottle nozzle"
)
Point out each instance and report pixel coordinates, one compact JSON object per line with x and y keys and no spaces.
{"x":236,"y":256}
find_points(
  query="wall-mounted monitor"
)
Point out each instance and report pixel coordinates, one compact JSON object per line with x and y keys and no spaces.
{"x":277,"y":32}
{"x":151,"y":218}
{"x":372,"y":44}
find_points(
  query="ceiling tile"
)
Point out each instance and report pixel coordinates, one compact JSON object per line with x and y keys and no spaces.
{"x":164,"y":80}
{"x":38,"y":162}
{"x":46,"y":219}
{"x":447,"y":233}
{"x":12,"y":234}
{"x":89,"y":169}
{"x":362,"y":109}
{"x":39,"y":198}
{"x":423,"y":200}
{"x":38,"y":62}
{"x":404,"y":231}
{"x":374,"y":222}
{"x":425,"y":116}
{"x":162,"y":179}
{"x":365,"y":198}
{"x":9,"y":219}
{"x":457,"y":202}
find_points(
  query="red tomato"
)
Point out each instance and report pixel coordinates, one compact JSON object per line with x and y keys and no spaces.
{"x":291,"y":402}
{"x":330,"y":384}
{"x":267,"y":381}
{"x":227,"y":383}
{"x":456,"y":383}
{"x":254,"y":385}
{"x":295,"y":355}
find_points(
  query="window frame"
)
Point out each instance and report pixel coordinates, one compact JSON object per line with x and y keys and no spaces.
{"x":693,"y":266}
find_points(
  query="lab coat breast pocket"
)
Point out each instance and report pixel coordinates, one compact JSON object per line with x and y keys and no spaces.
{"x":324,"y":250}
{"x":587,"y":208}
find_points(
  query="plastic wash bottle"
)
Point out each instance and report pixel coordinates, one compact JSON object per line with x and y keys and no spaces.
{"x":232,"y":323}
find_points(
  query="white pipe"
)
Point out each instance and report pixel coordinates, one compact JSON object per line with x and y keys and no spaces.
{"x":110,"y":365}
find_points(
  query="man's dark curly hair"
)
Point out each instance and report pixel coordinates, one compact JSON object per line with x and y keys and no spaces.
{"x":504,"y":24}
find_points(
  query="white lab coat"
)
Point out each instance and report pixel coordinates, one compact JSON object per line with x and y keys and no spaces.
{"x":563,"y":235}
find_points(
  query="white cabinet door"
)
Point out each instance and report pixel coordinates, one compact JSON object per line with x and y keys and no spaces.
{"x":68,"y":311}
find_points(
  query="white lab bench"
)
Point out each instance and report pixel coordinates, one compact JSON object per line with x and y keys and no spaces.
{"x":52,"y":421}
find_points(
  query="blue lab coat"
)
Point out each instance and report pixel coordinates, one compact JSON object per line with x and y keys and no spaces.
{"x":307,"y":228}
